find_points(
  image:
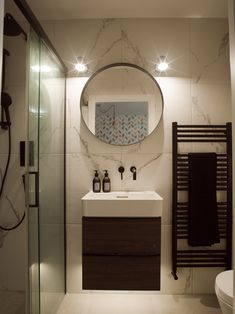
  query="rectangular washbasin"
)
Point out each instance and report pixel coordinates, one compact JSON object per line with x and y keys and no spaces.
{"x":122,"y":204}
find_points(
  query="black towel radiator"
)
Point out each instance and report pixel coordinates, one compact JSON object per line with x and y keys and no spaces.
{"x":183,"y":137}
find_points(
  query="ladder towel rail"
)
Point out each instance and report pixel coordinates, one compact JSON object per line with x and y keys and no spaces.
{"x":204,"y":256}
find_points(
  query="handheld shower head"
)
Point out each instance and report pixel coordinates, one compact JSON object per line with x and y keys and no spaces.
{"x":11,"y":27}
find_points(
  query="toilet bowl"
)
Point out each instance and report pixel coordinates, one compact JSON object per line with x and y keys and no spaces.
{"x":224,"y":291}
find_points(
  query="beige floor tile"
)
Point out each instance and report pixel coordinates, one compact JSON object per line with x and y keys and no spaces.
{"x":137,"y":303}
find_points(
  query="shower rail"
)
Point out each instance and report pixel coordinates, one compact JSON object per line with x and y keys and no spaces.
{"x":202,"y":256}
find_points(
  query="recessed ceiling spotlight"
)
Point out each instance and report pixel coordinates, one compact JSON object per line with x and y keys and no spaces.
{"x":162,"y":65}
{"x":80,"y":66}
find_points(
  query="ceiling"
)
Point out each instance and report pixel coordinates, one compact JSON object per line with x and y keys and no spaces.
{"x":74,"y":9}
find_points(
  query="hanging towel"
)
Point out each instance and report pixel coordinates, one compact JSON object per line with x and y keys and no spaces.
{"x":203,"y":227}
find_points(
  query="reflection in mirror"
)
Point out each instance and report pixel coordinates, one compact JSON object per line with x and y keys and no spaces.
{"x":121,"y":104}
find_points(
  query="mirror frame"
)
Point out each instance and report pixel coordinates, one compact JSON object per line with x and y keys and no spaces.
{"x":113,"y":65}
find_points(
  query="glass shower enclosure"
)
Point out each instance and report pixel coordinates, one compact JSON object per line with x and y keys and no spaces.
{"x":45,"y":178}
{"x":38,"y":108}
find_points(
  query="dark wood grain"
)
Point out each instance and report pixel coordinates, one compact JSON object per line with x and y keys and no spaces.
{"x":121,"y":272}
{"x":121,"y":236}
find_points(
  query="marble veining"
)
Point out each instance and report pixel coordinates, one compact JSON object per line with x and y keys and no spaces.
{"x":105,"y":23}
{"x":199,"y":110}
{"x":92,"y":156}
{"x":16,"y":213}
{"x":3,"y":235}
{"x":203,"y":115}
{"x":139,"y":59}
{"x":107,"y":157}
{"x":110,"y":47}
{"x":188,"y":282}
{"x":223,"y":45}
{"x":222,"y":49}
{"x":142,"y":167}
{"x":124,"y":39}
{"x":136,"y":148}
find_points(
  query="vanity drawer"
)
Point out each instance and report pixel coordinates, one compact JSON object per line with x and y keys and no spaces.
{"x":121,"y":272}
{"x":121,"y":236}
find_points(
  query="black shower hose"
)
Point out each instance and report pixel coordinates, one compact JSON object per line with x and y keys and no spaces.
{"x":4,"y":179}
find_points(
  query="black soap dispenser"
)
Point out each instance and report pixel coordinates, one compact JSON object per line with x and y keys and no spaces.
{"x":106,"y":182}
{"x":96,"y":182}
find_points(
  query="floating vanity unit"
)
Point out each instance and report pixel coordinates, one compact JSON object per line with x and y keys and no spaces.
{"x":121,"y":240}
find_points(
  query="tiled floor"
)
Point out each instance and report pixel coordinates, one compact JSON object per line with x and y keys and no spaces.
{"x":126,"y":303}
{"x":12,"y":302}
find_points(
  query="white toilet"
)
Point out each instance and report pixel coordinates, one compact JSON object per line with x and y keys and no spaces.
{"x":224,"y":291}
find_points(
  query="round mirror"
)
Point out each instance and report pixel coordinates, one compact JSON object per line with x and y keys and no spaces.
{"x":121,"y":104}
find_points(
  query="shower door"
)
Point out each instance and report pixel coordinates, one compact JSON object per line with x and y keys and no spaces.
{"x":46,"y":184}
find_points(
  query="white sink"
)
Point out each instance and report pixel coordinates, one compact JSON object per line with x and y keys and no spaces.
{"x":122,"y":204}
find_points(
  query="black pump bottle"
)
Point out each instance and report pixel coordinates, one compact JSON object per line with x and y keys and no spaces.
{"x":96,"y":183}
{"x":106,"y":182}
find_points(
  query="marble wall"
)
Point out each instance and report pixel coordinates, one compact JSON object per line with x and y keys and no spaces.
{"x":196,"y":90}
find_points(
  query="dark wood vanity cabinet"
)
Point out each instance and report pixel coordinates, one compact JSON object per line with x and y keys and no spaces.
{"x":121,"y":253}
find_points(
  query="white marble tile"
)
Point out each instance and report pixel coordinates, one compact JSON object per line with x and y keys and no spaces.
{"x":74,"y":258}
{"x":145,"y":40}
{"x":80,"y":170}
{"x":74,"y":87}
{"x":209,"y":50}
{"x":147,"y":174}
{"x":80,"y":174}
{"x":98,"y":41}
{"x":74,"y":204}
{"x":209,"y":147}
{"x":211,"y":104}
{"x":204,"y":279}
{"x":80,"y":139}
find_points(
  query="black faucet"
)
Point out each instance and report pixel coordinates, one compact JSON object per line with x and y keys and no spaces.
{"x":133,"y":170}
{"x":121,"y":169}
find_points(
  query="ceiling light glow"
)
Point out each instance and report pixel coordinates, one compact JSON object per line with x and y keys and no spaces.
{"x":80,"y":67}
{"x":162,"y":65}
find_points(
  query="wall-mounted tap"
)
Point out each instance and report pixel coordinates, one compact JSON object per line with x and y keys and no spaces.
{"x":121,"y":169}
{"x":133,"y":170}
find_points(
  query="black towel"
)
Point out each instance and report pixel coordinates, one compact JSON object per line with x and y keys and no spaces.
{"x":203,"y":221}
